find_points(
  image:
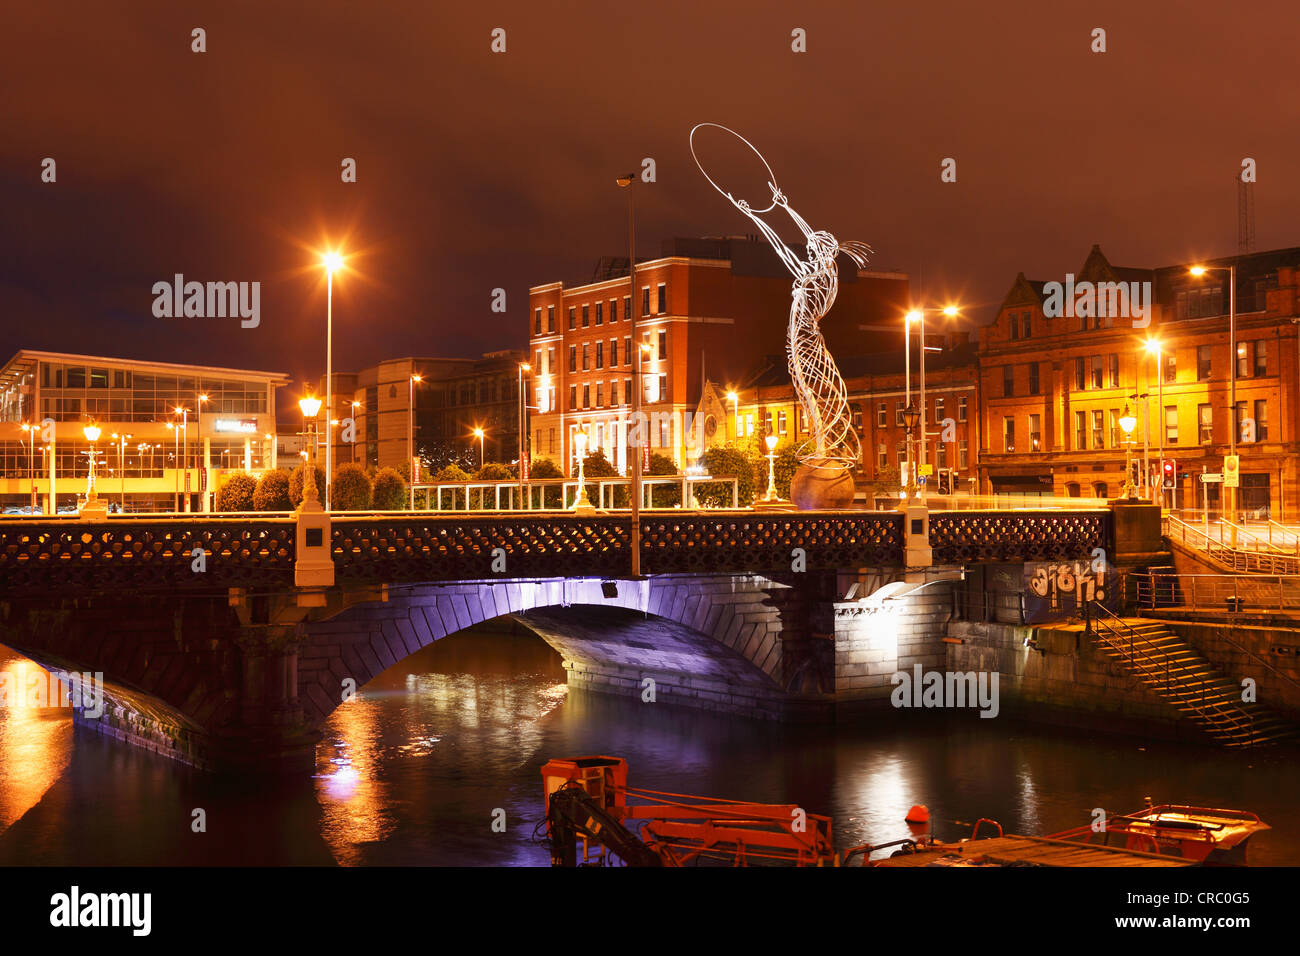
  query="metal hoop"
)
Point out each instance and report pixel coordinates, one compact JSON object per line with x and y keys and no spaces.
{"x":771,"y":175}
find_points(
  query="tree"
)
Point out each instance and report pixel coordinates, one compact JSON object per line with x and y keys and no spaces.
{"x":236,"y":493}
{"x":787,"y":463}
{"x":390,"y":492}
{"x":298,"y":477}
{"x":452,"y":472}
{"x":272,"y":492}
{"x":728,"y":461}
{"x":596,"y":465}
{"x":495,"y":471}
{"x":664,"y":496}
{"x":352,"y":490}
{"x":541,"y":469}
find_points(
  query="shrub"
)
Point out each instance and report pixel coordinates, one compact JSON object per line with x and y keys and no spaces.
{"x":452,"y":472}
{"x":494,"y":471}
{"x":390,"y":491}
{"x":351,"y":490}
{"x":272,"y":492}
{"x":596,"y":465}
{"x":544,"y":468}
{"x":664,"y":496}
{"x":727,"y":462}
{"x":296,"y":481}
{"x":236,"y":494}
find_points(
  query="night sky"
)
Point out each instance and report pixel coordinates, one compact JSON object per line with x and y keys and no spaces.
{"x":479,"y":170}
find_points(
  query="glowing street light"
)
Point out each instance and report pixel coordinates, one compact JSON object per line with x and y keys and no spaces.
{"x":582,"y":503}
{"x":770,"y":440}
{"x":918,"y":316}
{"x":93,"y":508}
{"x":625,"y":182}
{"x":309,"y":405}
{"x":1127,"y":422}
{"x":1198,"y":271}
{"x":410,"y":434}
{"x":332,"y":262}
{"x":478,"y":433}
{"x":1153,"y":347}
{"x":523,"y":426}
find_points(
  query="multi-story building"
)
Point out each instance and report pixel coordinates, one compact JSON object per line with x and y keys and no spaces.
{"x":439,"y":412}
{"x":708,"y":310}
{"x":1054,"y":386}
{"x":168,"y":433}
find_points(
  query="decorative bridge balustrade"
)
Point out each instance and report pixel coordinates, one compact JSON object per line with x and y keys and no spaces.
{"x":450,"y":548}
{"x":258,"y":552}
{"x":957,"y":537}
{"x":144,"y":552}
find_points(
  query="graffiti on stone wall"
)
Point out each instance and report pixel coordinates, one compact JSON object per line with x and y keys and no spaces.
{"x":1060,"y":588}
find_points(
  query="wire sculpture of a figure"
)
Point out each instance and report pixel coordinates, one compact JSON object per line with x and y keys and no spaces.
{"x":833,"y":441}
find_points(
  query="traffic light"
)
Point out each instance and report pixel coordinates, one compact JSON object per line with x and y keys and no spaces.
{"x":1170,"y":470}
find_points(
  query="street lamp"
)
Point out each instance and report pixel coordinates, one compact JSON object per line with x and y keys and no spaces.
{"x":31,"y":459}
{"x":410,"y":433}
{"x":1127,"y":422}
{"x":92,"y":433}
{"x":625,"y":182}
{"x":1153,"y":348}
{"x":582,"y":502}
{"x":523,"y":427}
{"x":121,"y":470}
{"x":478,"y":433}
{"x":918,"y":316}
{"x":911,"y":416}
{"x":309,"y":405}
{"x":184,"y":454}
{"x":176,"y":463}
{"x":332,"y":262}
{"x":770,"y":440}
{"x":1199,"y":271}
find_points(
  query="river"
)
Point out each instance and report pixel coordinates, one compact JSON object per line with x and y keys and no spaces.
{"x":417,"y":767}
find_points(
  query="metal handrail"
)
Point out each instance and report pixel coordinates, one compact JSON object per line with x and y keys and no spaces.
{"x":1259,"y":561}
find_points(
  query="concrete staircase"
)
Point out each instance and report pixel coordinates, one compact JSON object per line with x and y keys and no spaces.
{"x":1177,"y":672}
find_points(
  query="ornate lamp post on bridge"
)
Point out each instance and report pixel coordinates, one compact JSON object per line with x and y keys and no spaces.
{"x":94,"y":508}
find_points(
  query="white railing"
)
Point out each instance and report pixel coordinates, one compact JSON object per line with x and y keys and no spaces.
{"x":1217,"y":541}
{"x":532,"y":495}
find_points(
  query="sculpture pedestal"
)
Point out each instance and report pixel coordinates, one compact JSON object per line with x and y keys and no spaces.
{"x":821,"y":488}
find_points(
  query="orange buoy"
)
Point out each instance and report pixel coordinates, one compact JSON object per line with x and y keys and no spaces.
{"x":918,"y":814}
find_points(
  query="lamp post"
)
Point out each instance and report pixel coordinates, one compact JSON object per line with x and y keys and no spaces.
{"x":1198,"y":271}
{"x":625,"y":182}
{"x":176,"y":462}
{"x":355,"y":406}
{"x":275,"y":450}
{"x":523,"y":428}
{"x":309,"y":405}
{"x":735,"y":414}
{"x":121,"y":471}
{"x":93,"y":506}
{"x":1153,"y":346}
{"x":581,"y":503}
{"x":201,"y":451}
{"x":911,"y":416}
{"x":478,"y":433}
{"x":770,"y":441}
{"x":30,"y":429}
{"x":918,"y":315}
{"x":1127,"y":422}
{"x":410,"y":432}
{"x":184,"y":455}
{"x":332,"y":262}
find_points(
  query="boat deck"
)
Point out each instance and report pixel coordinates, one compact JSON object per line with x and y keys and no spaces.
{"x":1014,"y":850}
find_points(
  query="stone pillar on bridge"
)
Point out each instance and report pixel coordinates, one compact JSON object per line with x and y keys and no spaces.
{"x":272,"y":733}
{"x":917,"y":554}
{"x":314,"y":565}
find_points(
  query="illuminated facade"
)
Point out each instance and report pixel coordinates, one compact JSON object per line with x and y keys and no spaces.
{"x":148,"y":453}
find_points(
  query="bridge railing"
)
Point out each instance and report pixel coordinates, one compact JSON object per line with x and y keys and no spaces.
{"x":559,"y":494}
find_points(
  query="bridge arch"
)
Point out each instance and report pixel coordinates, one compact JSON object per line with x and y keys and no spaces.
{"x":713,"y":642}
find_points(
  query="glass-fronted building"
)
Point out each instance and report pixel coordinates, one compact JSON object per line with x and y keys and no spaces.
{"x":168,"y":433}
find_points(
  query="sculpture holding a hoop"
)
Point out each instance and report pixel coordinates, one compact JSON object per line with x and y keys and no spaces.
{"x":832,"y":450}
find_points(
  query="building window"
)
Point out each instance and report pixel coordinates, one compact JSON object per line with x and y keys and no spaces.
{"x":600,"y":355}
{"x":663,"y":388}
{"x":613,"y":311}
{"x":962,"y":454}
{"x":663,"y":298}
{"x":550,"y":318}
{"x":1261,"y":357}
{"x":767,"y":422}
{"x":550,"y":361}
{"x":627,"y":350}
{"x":573,"y":321}
{"x":1033,"y":379}
{"x":1261,"y":420}
{"x":1035,"y":433}
{"x":882,"y":455}
{"x":1080,"y":431}
{"x":898,"y":414}
{"x":1008,"y":434}
{"x":573,"y":358}
{"x":662,"y":345}
{"x":1114,"y":370}
{"x":1243,"y":360}
{"x":781,"y":423}
{"x":1203,"y":364}
{"x":600,"y":394}
{"x":1008,"y":380}
{"x":586,"y":356}
{"x":1080,"y":373}
{"x":1171,"y":424}
{"x":600,"y":313}
{"x":537,"y":321}
{"x":961,"y":408}
{"x":1098,"y":430}
{"x":627,"y":391}
{"x":857,"y":418}
{"x":938,"y":409}
{"x":586,"y":396}
{"x":665,"y":433}
{"x":586,"y":316}
{"x":1171,"y":368}
{"x":573,"y":398}
{"x":645,"y":300}
{"x":1025,"y":325}
{"x":1097,"y":380}
{"x":1015,"y":325}
{"x":882,"y":415}
{"x":627,"y":308}
{"x":1205,"y":423}
{"x":613,"y":353}
{"x":1239,"y":419}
